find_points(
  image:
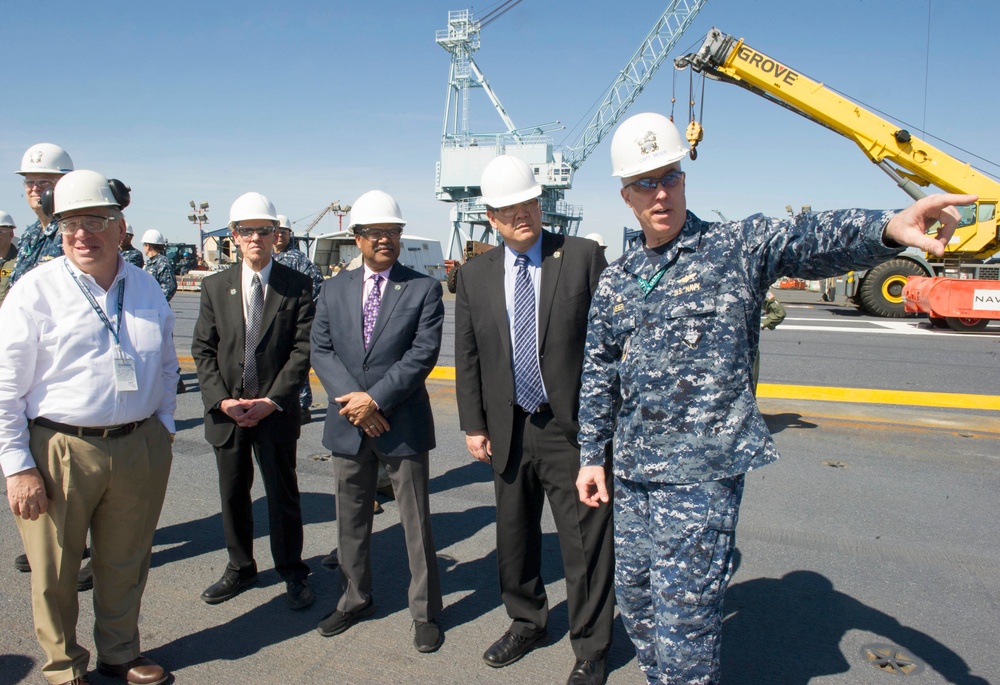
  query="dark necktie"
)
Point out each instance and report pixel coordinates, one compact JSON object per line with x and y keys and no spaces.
{"x":527,"y":376}
{"x":250,"y":382}
{"x":372,"y":305}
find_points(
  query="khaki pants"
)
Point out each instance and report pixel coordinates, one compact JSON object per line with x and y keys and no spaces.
{"x":113,"y":487}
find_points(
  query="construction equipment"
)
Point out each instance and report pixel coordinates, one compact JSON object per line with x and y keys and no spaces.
{"x":911,"y":162}
{"x":464,"y":154}
{"x":473,"y":248}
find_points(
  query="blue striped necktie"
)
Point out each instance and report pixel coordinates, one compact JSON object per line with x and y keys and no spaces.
{"x":527,"y":376}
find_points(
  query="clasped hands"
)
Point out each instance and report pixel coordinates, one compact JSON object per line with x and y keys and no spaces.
{"x":361,"y":410}
{"x":247,"y":413}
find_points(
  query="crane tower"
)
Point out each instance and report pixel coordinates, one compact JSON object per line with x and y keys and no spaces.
{"x":464,"y":153}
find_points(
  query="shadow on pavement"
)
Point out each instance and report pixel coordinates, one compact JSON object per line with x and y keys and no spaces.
{"x":779,"y":422}
{"x":14,"y":668}
{"x":788,"y":630}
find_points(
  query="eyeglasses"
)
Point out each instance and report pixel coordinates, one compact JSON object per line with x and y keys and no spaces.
{"x":89,"y":223}
{"x":43,"y":183}
{"x":374,"y":234}
{"x":671,"y":180}
{"x":510,"y":211}
{"x":247,"y":232}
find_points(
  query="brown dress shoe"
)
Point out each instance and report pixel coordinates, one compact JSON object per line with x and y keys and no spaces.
{"x":139,"y":671}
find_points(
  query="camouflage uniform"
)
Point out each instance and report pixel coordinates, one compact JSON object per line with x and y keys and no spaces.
{"x":296,"y":259}
{"x":667,"y":375}
{"x":160,"y":268}
{"x":133,"y":256}
{"x":7,"y":262}
{"x":37,"y":245}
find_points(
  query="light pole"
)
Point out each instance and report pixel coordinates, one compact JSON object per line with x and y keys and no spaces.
{"x":199,"y":215}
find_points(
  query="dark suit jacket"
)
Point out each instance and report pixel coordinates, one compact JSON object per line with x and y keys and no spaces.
{"x":402,"y":352}
{"x":484,"y":379}
{"x":282,"y":354}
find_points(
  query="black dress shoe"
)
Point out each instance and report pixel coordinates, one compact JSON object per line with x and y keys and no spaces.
{"x":512,"y":647}
{"x":330,"y":562}
{"x":337,"y":622}
{"x":299,"y":594}
{"x":427,"y":637}
{"x":21,"y":563}
{"x":588,"y":672}
{"x":85,"y":578}
{"x":227,"y":588}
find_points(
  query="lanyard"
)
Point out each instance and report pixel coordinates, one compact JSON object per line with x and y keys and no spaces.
{"x":116,"y":330}
{"x":647,"y":286}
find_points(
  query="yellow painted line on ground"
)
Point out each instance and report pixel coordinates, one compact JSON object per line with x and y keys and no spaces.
{"x":820,"y":393}
{"x":864,"y":396}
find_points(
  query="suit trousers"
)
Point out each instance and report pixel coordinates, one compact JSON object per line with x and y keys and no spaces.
{"x":357,"y":477}
{"x":113,"y":487}
{"x":276,"y":461}
{"x":543,"y":463}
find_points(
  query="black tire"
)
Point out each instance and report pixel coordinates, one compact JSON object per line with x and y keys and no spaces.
{"x":963,"y":325}
{"x":938,"y":322}
{"x":882,"y":289}
{"x":452,"y":279}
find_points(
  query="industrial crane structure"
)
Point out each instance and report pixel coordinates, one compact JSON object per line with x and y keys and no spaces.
{"x":464,"y":153}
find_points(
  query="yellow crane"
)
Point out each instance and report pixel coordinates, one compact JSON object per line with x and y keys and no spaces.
{"x":911,"y":162}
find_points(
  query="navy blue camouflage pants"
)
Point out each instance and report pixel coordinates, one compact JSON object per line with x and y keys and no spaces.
{"x":673,"y":560}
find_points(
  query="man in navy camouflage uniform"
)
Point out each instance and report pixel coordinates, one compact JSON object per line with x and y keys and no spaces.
{"x":672,"y":333}
{"x":157,"y":264}
{"x":293,"y":258}
{"x":42,"y":165}
{"x":129,"y":253}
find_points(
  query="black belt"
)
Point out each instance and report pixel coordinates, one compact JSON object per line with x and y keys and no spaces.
{"x":542,"y":408}
{"x":88,"y":431}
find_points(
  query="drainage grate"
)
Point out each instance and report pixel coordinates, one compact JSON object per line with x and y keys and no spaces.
{"x":891,"y":659}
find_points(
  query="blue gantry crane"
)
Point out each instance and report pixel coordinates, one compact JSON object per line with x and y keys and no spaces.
{"x":464,"y":153}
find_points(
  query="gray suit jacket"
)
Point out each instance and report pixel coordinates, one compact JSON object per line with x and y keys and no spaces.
{"x":403,"y":350}
{"x":484,"y":379}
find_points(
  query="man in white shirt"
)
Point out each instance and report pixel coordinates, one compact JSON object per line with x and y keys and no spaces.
{"x":86,"y":422}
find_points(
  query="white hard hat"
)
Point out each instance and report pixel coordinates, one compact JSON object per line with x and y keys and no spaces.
{"x":375,"y":207}
{"x":250,"y":206}
{"x":7,"y":220}
{"x":153,"y":237}
{"x":597,"y":238}
{"x":645,"y":142}
{"x":84,"y":189}
{"x":283,"y":222}
{"x":508,"y":181}
{"x":128,"y":229}
{"x":45,"y":158}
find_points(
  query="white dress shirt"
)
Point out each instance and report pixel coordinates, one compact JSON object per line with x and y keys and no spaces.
{"x":58,"y":360}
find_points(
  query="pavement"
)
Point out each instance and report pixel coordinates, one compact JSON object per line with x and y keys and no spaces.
{"x":872,"y":530}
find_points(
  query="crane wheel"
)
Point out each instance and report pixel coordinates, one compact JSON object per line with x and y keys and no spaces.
{"x":938,"y":322}
{"x":882,"y":289}
{"x":962,"y":324}
{"x":452,"y":279}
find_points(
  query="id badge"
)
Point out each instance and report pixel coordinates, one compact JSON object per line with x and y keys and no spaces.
{"x":125,"y":378}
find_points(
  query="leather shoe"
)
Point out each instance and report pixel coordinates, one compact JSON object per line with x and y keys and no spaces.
{"x":227,"y":588}
{"x":588,"y":672}
{"x":21,"y":563}
{"x":299,"y":594}
{"x":512,"y":647}
{"x":139,"y":671}
{"x":427,"y":637}
{"x":337,"y":622}
{"x":85,"y":578}
{"x":330,"y":562}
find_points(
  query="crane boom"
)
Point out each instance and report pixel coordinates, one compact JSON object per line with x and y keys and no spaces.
{"x":634,"y":76}
{"x":909,"y":160}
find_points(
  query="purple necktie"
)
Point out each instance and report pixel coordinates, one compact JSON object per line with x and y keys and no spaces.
{"x":372,"y":304}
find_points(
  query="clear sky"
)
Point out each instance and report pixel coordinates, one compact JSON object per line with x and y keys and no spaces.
{"x":313,"y":102}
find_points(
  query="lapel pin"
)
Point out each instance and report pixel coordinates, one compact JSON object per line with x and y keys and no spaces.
{"x":557,"y":254}
{"x":232,"y":291}
{"x":398,"y":287}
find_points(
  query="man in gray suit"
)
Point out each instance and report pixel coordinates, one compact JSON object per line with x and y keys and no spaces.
{"x":375,"y":339}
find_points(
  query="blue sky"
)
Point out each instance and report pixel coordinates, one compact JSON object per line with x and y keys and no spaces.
{"x":314,"y":102}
